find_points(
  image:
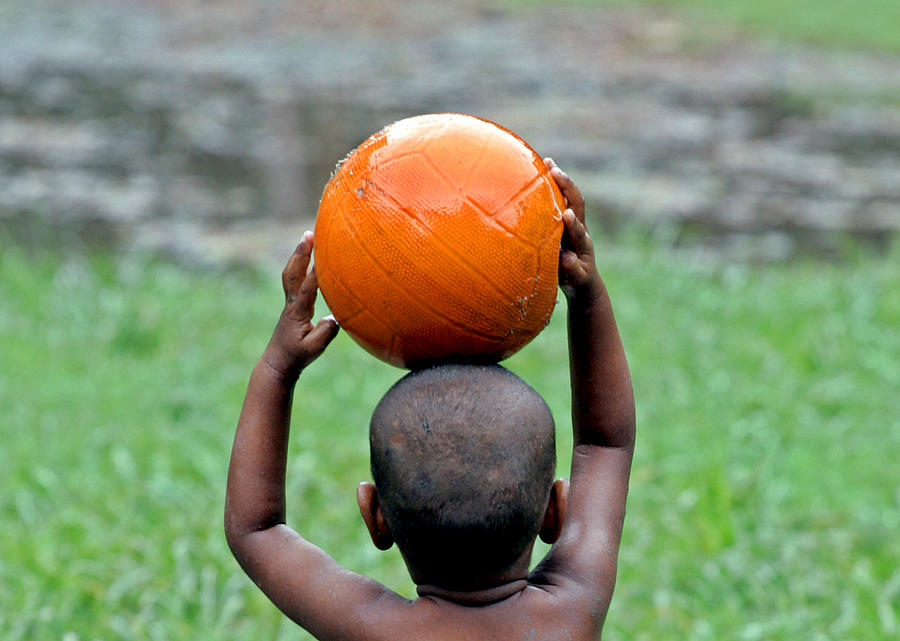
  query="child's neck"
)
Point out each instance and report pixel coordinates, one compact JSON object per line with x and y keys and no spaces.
{"x":474,"y":597}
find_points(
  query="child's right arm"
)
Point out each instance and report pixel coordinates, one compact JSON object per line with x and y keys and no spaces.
{"x":585,"y":555}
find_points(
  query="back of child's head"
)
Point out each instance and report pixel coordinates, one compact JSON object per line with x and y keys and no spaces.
{"x":463,"y":457}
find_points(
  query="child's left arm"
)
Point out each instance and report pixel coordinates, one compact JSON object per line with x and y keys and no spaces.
{"x":302,"y":580}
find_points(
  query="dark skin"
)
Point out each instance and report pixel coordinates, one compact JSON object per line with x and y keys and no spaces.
{"x":566,"y":596}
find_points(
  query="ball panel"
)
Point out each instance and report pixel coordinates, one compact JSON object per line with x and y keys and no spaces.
{"x":426,"y":333}
{"x":412,"y":133}
{"x":458,"y":157}
{"x":458,"y":230}
{"x":414,"y":256}
{"x":501,"y":171}
{"x":377,"y":338}
{"x":528,"y":216}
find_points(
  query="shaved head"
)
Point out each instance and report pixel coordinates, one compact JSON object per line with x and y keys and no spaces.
{"x":463,"y":457}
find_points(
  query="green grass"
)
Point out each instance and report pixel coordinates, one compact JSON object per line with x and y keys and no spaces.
{"x":865,"y":24}
{"x":765,"y":501}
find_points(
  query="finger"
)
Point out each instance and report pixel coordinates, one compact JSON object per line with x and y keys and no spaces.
{"x":577,"y":233}
{"x":549,"y":163}
{"x":320,"y":335}
{"x":306,"y":296}
{"x":288,"y":278}
{"x":568,"y":260}
{"x":304,"y":255}
{"x":570,"y":192}
{"x":295,"y":270}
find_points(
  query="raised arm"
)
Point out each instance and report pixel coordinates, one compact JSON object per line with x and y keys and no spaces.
{"x":302,"y":580}
{"x":602,"y":396}
{"x":584,"y":558}
{"x":254,"y":499}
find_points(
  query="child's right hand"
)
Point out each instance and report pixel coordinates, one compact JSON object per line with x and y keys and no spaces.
{"x":577,"y":269}
{"x":296,"y":342}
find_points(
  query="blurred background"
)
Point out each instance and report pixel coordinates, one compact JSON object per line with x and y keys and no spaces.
{"x":192,"y":126}
{"x":741,"y":162}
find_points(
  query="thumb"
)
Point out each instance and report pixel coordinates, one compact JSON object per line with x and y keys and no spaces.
{"x":568,"y":260}
{"x":322,"y":334}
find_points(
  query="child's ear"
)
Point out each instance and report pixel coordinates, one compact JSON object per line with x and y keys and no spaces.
{"x":370,"y":508}
{"x":555,"y":515}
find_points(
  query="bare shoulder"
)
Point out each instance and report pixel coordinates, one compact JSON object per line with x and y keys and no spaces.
{"x":313,"y":589}
{"x":335,"y":604}
{"x":581,"y":601}
{"x":581,"y":566}
{"x":536,"y":613}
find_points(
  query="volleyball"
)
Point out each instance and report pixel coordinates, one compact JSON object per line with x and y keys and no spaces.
{"x":437,"y":240}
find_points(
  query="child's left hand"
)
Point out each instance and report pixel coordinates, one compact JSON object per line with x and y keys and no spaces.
{"x":296,"y":342}
{"x":577,"y":269}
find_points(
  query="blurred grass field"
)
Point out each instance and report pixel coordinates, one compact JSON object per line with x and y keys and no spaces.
{"x":865,"y":24}
{"x":765,"y":498}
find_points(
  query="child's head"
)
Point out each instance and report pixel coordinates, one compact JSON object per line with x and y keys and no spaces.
{"x":463,"y":458}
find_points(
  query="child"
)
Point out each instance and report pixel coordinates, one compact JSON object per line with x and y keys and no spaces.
{"x":463,"y":462}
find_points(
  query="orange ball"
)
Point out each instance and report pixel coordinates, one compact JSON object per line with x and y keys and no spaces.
{"x":437,"y":240}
